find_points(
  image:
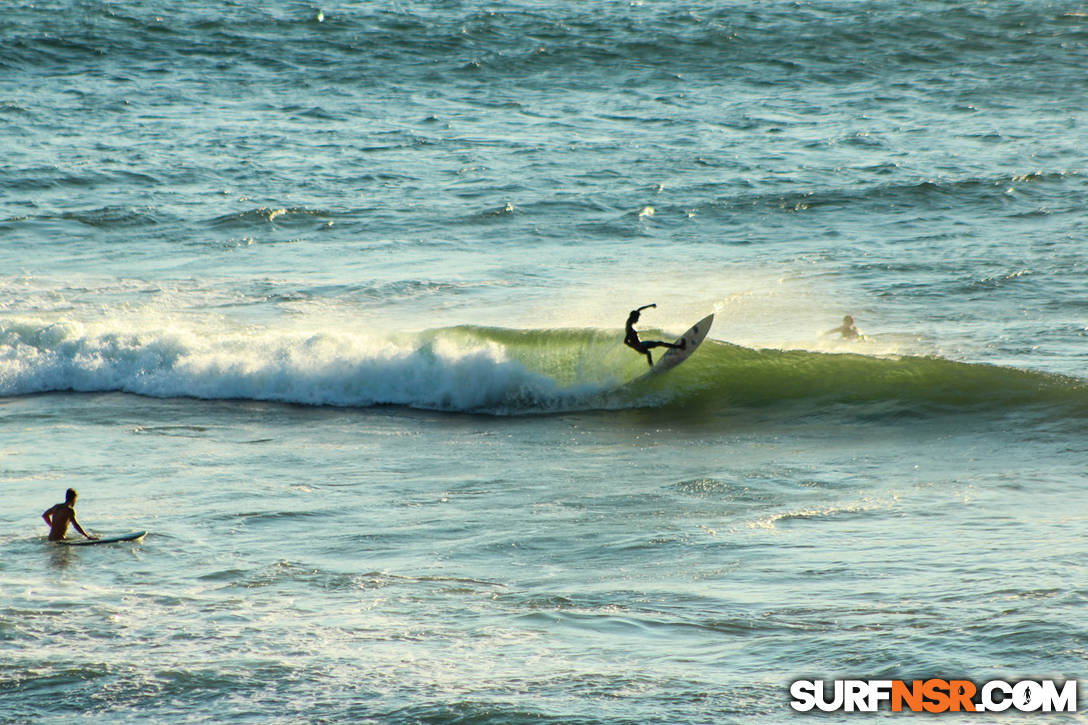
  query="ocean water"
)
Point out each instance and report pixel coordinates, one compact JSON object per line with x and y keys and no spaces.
{"x":329,"y":298}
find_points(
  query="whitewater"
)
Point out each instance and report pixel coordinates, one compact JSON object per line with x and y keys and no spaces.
{"x":492,"y":370}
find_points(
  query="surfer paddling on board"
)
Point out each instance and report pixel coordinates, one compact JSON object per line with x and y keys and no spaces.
{"x":63,"y":514}
{"x":643,"y":346}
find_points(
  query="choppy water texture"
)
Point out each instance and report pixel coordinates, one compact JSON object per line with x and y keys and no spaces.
{"x":330,"y":299}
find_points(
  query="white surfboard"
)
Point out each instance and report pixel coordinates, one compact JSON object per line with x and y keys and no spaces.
{"x":674,"y":356}
{"x":134,"y":536}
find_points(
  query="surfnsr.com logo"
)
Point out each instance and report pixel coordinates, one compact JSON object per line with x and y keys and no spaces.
{"x":934,"y":695}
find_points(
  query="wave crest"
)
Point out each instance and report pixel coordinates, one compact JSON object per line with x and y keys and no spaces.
{"x":438,"y":370}
{"x":494,"y":370}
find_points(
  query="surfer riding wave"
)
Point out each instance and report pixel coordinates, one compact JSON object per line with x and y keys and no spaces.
{"x":643,"y":346}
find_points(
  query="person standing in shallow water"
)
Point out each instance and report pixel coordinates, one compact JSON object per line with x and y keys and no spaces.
{"x":59,"y":516}
{"x":643,"y":346}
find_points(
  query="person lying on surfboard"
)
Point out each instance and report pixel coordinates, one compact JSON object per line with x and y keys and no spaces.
{"x":643,"y":346}
{"x":59,"y":516}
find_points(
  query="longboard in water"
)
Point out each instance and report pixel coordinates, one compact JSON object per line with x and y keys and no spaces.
{"x":135,"y":536}
{"x":674,"y":356}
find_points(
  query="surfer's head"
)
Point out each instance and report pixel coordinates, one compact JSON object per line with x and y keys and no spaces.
{"x":633,"y":317}
{"x":848,"y":320}
{"x":70,"y":496}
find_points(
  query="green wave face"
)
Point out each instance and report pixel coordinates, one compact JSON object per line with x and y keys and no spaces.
{"x":722,"y":375}
{"x":494,"y":370}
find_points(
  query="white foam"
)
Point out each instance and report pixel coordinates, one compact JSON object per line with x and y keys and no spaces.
{"x":210,"y":359}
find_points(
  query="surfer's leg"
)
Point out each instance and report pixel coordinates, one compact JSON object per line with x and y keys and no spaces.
{"x":659,"y":343}
{"x":649,"y":358}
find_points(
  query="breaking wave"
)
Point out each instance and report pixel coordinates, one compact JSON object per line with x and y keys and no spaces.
{"x":487,"y":370}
